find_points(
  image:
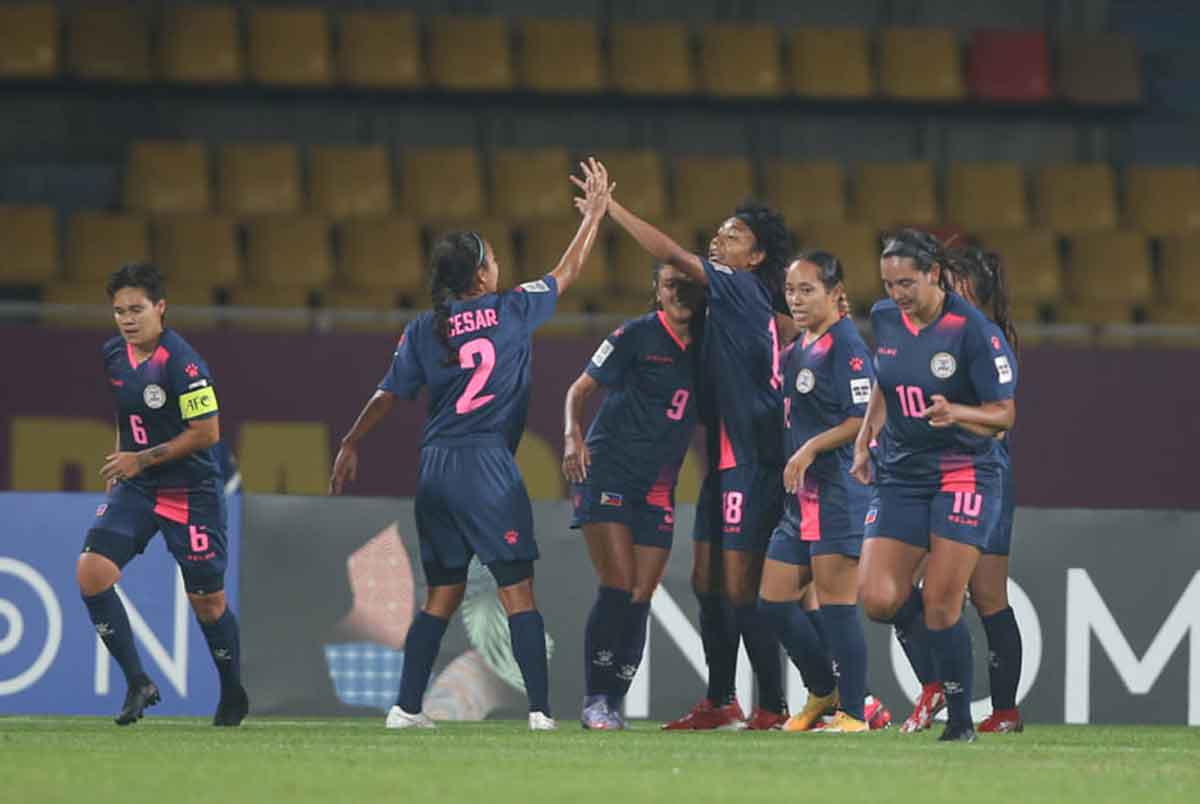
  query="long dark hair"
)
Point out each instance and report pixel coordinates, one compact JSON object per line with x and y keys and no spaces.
{"x":452,"y":264}
{"x":984,"y":270}
{"x":923,"y":249}
{"x":771,"y":237}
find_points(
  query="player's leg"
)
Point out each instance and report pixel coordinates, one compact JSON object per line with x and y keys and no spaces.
{"x":811,"y":604}
{"x":836,"y":579}
{"x":610,"y":546}
{"x":950,"y":566}
{"x":989,"y":594}
{"x":447,"y":586}
{"x":527,"y":632}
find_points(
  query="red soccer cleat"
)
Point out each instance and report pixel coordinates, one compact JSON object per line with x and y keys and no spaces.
{"x":1003,"y":721}
{"x":764,"y":720}
{"x":877,"y":715}
{"x":931,"y":701}
{"x":706,"y":716}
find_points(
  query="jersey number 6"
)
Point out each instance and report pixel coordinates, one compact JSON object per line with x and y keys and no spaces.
{"x":139,"y":432}
{"x":486,"y":352}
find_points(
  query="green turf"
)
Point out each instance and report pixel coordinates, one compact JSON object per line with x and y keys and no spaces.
{"x":178,"y":760}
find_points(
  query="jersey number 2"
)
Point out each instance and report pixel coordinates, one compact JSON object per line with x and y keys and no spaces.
{"x":483,"y":349}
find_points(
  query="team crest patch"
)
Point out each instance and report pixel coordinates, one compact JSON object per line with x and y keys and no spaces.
{"x":805,"y":381}
{"x":872,"y":515}
{"x":154,"y":396}
{"x":943,"y":365}
{"x":608,"y":498}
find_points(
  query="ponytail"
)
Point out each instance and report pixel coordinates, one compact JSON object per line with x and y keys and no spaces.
{"x":453,"y":264}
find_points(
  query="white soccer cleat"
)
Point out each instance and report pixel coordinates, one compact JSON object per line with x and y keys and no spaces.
{"x":539,"y":721}
{"x":397,"y":718}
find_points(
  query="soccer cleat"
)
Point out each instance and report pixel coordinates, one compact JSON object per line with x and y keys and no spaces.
{"x":766,"y":720}
{"x":706,"y":716}
{"x":540,"y":721}
{"x":958,"y":734}
{"x":598,"y":715}
{"x":815,"y":708}
{"x":397,"y":718}
{"x":931,"y":701}
{"x":1003,"y":721}
{"x":842,"y":723}
{"x":878,"y":716}
{"x":138,"y":698}
{"x":233,"y":707}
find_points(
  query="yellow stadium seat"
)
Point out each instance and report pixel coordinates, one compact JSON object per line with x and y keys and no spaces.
{"x":167,"y":176}
{"x":29,"y":41}
{"x":642,"y":178}
{"x":1109,"y":275}
{"x":443,"y":183}
{"x":383,"y":253}
{"x":807,"y":192}
{"x":1098,"y":68}
{"x":1179,"y":278}
{"x":708,"y":188}
{"x":202,"y":44}
{"x":99,"y":243}
{"x":856,"y":245}
{"x":348,"y":180}
{"x":290,"y":46}
{"x":470,"y":53}
{"x":633,"y":268}
{"x":1077,"y":198}
{"x":290,"y":251}
{"x":1163,"y":200}
{"x":892,"y":194}
{"x":253,"y":295}
{"x":1032,"y":268}
{"x":30,"y":252}
{"x":651,"y":58}
{"x":378,"y":300}
{"x":498,"y":233}
{"x":197,"y":250}
{"x":96,"y":314}
{"x":531,"y":183}
{"x":920,"y":64}
{"x":260,"y":179}
{"x":283,"y":309}
{"x":987,"y":195}
{"x":560,"y":56}
{"x":741,"y":60}
{"x":831,"y":63}
{"x":544,"y":244}
{"x":380,"y":49}
{"x":108,"y":42}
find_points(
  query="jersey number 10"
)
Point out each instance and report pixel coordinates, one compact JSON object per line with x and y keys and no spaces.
{"x":912,"y":400}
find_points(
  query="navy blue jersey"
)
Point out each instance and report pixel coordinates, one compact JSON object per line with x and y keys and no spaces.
{"x":155,"y":400}
{"x":741,"y":363}
{"x":645,"y":424}
{"x":484,"y":394}
{"x":826,"y":382}
{"x":957,"y":357}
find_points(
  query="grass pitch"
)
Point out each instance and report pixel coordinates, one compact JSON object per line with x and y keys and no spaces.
{"x":179,"y":760}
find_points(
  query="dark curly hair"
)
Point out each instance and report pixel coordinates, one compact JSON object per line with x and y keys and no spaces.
{"x":984,"y":271}
{"x":141,"y":275}
{"x":922,"y":248}
{"x":772,"y":238}
{"x":452,"y":264}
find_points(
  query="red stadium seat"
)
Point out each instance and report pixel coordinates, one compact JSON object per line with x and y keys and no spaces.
{"x":1009,"y":66}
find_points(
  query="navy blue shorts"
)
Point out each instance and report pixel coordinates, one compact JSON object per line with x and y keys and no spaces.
{"x":999,"y":542}
{"x":471,"y":501}
{"x":739,"y":507}
{"x":911,"y":513}
{"x":192,"y":522}
{"x":650,"y":517}
{"x":817,"y":521}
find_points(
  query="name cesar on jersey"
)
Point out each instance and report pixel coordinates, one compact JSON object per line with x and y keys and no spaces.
{"x":472,"y":321}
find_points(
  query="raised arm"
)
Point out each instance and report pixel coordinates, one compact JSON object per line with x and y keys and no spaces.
{"x":593,"y":205}
{"x":345,"y":465}
{"x":658,"y":244}
{"x":576,"y":458}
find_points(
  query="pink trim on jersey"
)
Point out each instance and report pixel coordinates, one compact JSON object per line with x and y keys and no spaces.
{"x":952,"y":321}
{"x":728,"y":459}
{"x":172,"y":504}
{"x":908,"y":324}
{"x":160,"y":357}
{"x":823,"y":345}
{"x":660,"y":494}
{"x":958,"y":474}
{"x":662,"y":319}
{"x":810,"y":512}
{"x":132,"y":357}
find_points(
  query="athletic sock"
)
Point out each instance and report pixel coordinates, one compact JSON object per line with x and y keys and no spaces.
{"x":602,"y":640}
{"x":954,"y":667}
{"x":1004,"y":657}
{"x":112,"y":624}
{"x":913,"y":636}
{"x":763,"y":648}
{"x":850,"y":650}
{"x":795,"y":632}
{"x":224,"y":644}
{"x":633,"y":644}
{"x":420,"y":651}
{"x":527,"y":631}
{"x":817,"y":617}
{"x":719,"y":636}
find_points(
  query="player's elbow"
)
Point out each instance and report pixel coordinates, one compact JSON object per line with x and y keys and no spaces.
{"x":207,"y":436}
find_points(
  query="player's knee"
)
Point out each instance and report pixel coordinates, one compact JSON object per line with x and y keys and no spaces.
{"x":209,"y":608}
{"x":880,"y":604}
{"x":943,"y":606}
{"x":95,"y":574}
{"x":989,"y":599}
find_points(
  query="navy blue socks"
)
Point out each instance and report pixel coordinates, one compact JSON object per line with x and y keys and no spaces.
{"x":603,"y":640}
{"x":849,"y":647}
{"x":224,"y":644}
{"x":527,"y":631}
{"x":1004,"y":657}
{"x":795,"y":632}
{"x":420,"y":651}
{"x":112,"y":624}
{"x":953,"y":666}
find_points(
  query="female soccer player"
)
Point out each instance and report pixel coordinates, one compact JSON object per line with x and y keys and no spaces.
{"x":473,"y":350}
{"x":827,"y":382}
{"x":941,"y":398}
{"x":741,"y":498}
{"x":624,"y":479}
{"x":164,"y":477}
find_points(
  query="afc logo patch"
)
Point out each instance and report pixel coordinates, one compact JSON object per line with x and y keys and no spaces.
{"x":101,"y":508}
{"x":856,"y":364}
{"x":511,"y":537}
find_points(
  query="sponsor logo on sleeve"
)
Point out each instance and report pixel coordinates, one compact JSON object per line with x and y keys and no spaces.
{"x":1003,"y":369}
{"x":197,"y":384}
{"x":198,"y":403}
{"x":154,"y":396}
{"x":860,"y":391}
{"x":943,"y":365}
{"x":536,"y":286}
{"x":602,"y":354}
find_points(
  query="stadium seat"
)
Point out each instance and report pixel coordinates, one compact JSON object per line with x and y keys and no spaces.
{"x":652,"y":58}
{"x":807,"y":192}
{"x":96,"y":315}
{"x":544,"y":243}
{"x":831,"y":63}
{"x":202,"y":44}
{"x":99,"y":243}
{"x":707,"y":188}
{"x":167,"y":176}
{"x":1077,"y":198}
{"x":197,"y":250}
{"x":290,"y":46}
{"x":443,"y":183}
{"x":987,"y":195}
{"x":1009,"y":66}
{"x":377,"y":299}
{"x":284,"y":308}
{"x":633,"y":267}
{"x":1098,"y":69}
{"x":383,"y":253}
{"x":30,"y":251}
{"x":1109,"y":275}
{"x":1179,"y":280}
{"x":29,"y":41}
{"x":857,"y":246}
{"x":920,"y":64}
{"x":497,"y":232}
{"x":349,"y":180}
{"x":380,"y":49}
{"x":290,"y":251}
{"x":643,"y":180}
{"x":560,"y":55}
{"x":890,"y":194}
{"x":1163,"y":200}
{"x":741,"y":60}
{"x":1032,"y":267}
{"x":531,"y":183}
{"x":260,"y":179}
{"x":470,"y":53}
{"x":109,"y":42}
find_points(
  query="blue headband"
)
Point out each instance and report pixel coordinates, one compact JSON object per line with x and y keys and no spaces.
{"x":482,"y":250}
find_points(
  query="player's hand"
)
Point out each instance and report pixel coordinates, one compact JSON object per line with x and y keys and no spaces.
{"x":120,"y":466}
{"x":345,"y":467}
{"x":596,"y":188}
{"x":577,"y":459}
{"x":861,"y":469}
{"x":797,"y":467}
{"x":941,"y":413}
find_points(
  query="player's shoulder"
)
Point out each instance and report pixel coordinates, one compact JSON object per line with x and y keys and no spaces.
{"x":885,"y":310}
{"x":960,"y":312}
{"x":640,"y":326}
{"x":113,"y":347}
{"x":414,"y":327}
{"x":176,"y":345}
{"x":546,"y":284}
